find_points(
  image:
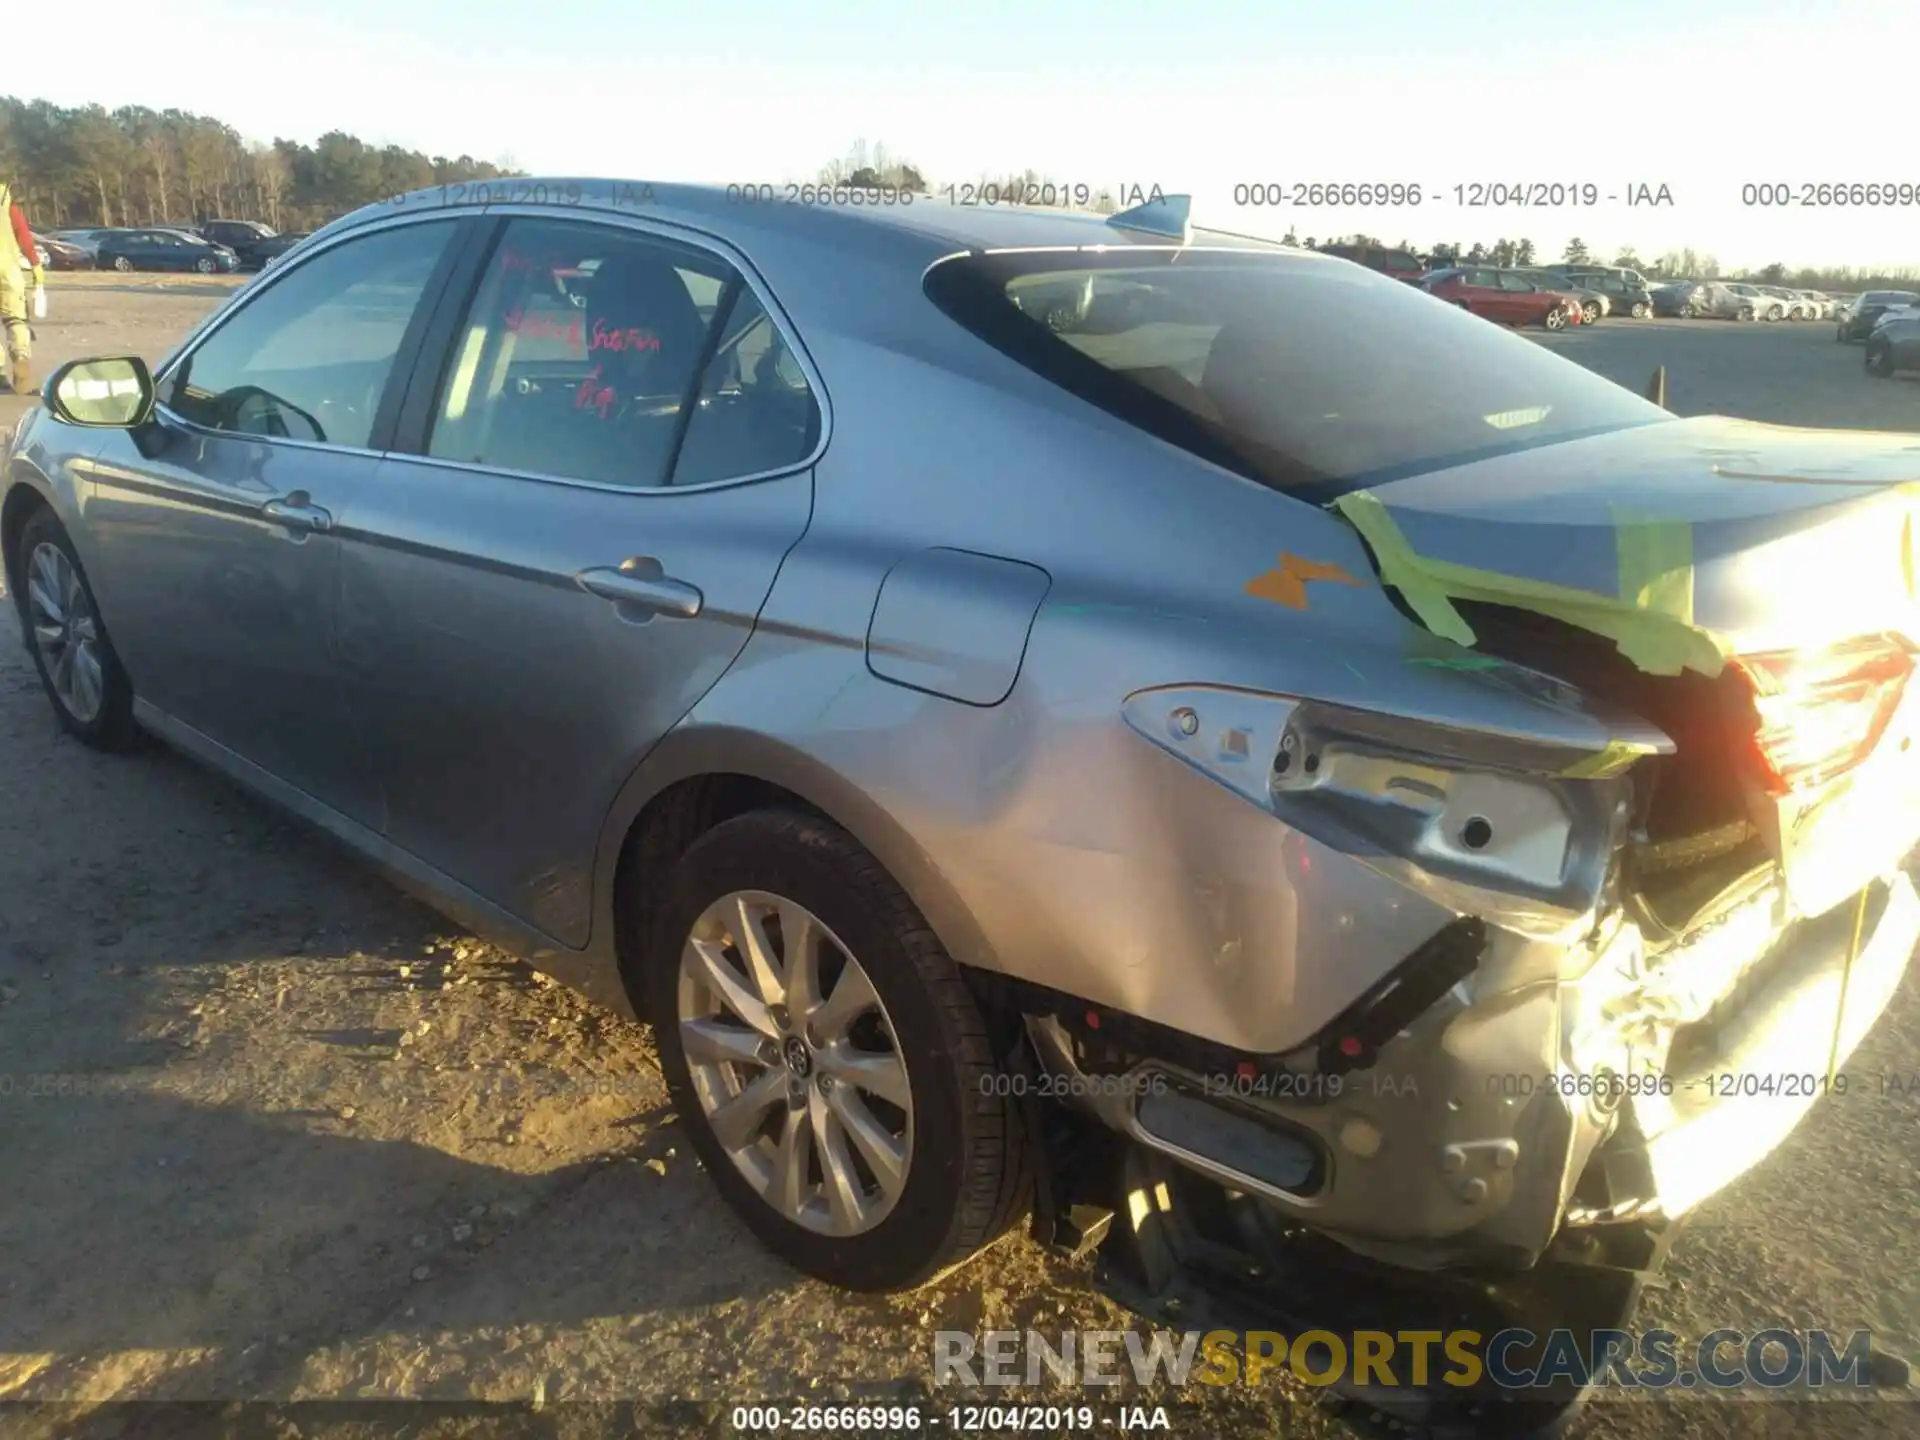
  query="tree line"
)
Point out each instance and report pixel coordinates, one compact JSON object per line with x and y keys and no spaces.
{"x":87,"y":165}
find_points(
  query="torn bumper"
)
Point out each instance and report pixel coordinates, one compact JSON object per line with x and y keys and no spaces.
{"x":1635,"y":1086}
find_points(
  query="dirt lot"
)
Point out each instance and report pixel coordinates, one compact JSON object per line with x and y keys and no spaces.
{"x":268,"y":1129}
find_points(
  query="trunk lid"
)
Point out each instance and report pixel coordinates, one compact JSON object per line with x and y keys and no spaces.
{"x":1755,"y":537}
{"x":1696,"y":545}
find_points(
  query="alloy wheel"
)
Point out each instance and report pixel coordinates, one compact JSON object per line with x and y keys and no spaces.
{"x":795,"y":1063}
{"x":121,"y":262}
{"x":66,"y":632}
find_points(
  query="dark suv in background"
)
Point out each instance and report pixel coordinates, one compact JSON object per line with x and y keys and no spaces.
{"x":244,"y":237}
{"x":1864,"y":313}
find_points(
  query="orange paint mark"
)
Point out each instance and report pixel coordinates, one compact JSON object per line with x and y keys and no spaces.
{"x":1287,"y":583}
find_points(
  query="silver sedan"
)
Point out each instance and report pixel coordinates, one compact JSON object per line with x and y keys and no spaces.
{"x":931,"y":661}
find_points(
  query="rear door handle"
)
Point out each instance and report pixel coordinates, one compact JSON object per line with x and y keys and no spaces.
{"x":296,"y":512}
{"x":629,"y":584}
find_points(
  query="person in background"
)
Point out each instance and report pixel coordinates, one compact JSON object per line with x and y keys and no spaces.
{"x":16,"y":248}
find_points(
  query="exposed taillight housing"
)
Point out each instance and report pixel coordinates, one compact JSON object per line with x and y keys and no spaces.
{"x":1820,"y":712}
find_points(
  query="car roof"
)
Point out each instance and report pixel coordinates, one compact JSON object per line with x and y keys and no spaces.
{"x":928,"y":224}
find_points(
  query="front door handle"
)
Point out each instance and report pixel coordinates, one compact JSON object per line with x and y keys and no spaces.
{"x":296,"y":512}
{"x":638,"y":582}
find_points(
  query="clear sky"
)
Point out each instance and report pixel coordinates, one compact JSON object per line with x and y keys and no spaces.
{"x":1701,"y":96}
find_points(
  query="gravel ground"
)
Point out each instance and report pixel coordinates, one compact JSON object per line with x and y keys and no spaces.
{"x":270,"y":1130}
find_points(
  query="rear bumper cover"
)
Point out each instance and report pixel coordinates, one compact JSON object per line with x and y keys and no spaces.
{"x":1503,"y":1113}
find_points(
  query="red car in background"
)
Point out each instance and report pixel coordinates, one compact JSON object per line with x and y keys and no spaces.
{"x":1504,"y":296}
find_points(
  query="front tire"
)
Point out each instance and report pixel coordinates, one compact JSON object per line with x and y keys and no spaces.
{"x":1880,"y":361}
{"x":204,"y":265}
{"x":1641,"y":311}
{"x":1556,"y":319}
{"x":79,"y":669}
{"x":827,"y":1058}
{"x":1590,"y":314}
{"x":1745,"y":313}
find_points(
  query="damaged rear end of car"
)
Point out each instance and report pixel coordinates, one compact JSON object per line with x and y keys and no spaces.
{"x":1593,"y":856}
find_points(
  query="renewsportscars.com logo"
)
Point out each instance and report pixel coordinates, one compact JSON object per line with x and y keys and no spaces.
{"x":1515,"y":1359}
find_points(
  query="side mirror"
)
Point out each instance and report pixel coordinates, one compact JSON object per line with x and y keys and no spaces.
{"x":114,"y":394}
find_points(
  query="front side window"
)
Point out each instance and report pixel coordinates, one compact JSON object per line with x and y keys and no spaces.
{"x":1516,"y":282}
{"x":1299,"y":373}
{"x":309,"y":356}
{"x":600,"y":354}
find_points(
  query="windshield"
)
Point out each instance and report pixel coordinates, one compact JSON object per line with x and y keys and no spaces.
{"x":1302,"y":373}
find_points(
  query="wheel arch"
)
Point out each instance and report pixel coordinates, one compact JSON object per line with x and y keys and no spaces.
{"x":699,"y":777}
{"x":24,"y":499}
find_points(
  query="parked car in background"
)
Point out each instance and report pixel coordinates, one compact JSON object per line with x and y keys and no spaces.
{"x":1821,"y":305}
{"x":87,"y":240}
{"x":1705,"y":300}
{"x":243,"y":237}
{"x":1860,"y":317}
{"x":1506,"y":296}
{"x":1674,"y":298}
{"x":1594,"y":304}
{"x":63,"y":254}
{"x":875,"y":777}
{"x":1894,"y":343}
{"x":1797,"y":305}
{"x":164,"y":250}
{"x":266,"y":252}
{"x":1618,"y":272}
{"x":1623,"y":297}
{"x":1387,"y":259}
{"x":1764,"y":306}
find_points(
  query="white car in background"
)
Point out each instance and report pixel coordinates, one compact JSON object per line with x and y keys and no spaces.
{"x":1764,"y":306}
{"x":1822,"y":304}
{"x":1796,"y":304}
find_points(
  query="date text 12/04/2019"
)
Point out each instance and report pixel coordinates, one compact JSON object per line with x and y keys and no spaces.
{"x":1472,"y":195}
{"x":959,"y":1419}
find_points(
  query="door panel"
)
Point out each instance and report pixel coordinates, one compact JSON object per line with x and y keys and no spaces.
{"x":502,"y":700}
{"x":222,"y":614}
{"x":214,"y":526}
{"x":528,"y":604}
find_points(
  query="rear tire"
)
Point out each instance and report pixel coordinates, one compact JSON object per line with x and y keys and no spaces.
{"x":1744,"y":313}
{"x":1641,"y":311}
{"x":965,"y":1177}
{"x":1880,"y":361}
{"x":79,"y":669}
{"x":122,"y":263}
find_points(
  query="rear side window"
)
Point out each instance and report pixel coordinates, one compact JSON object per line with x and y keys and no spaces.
{"x":601,"y":354}
{"x":1292,"y":370}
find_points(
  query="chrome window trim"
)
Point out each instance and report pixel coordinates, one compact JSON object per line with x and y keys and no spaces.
{"x":694,"y":239}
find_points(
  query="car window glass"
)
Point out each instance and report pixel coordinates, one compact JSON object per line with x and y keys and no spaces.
{"x":1240,"y":359}
{"x":755,"y":411}
{"x":308,"y":357}
{"x":579,"y":352}
{"x":1515,"y":282}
